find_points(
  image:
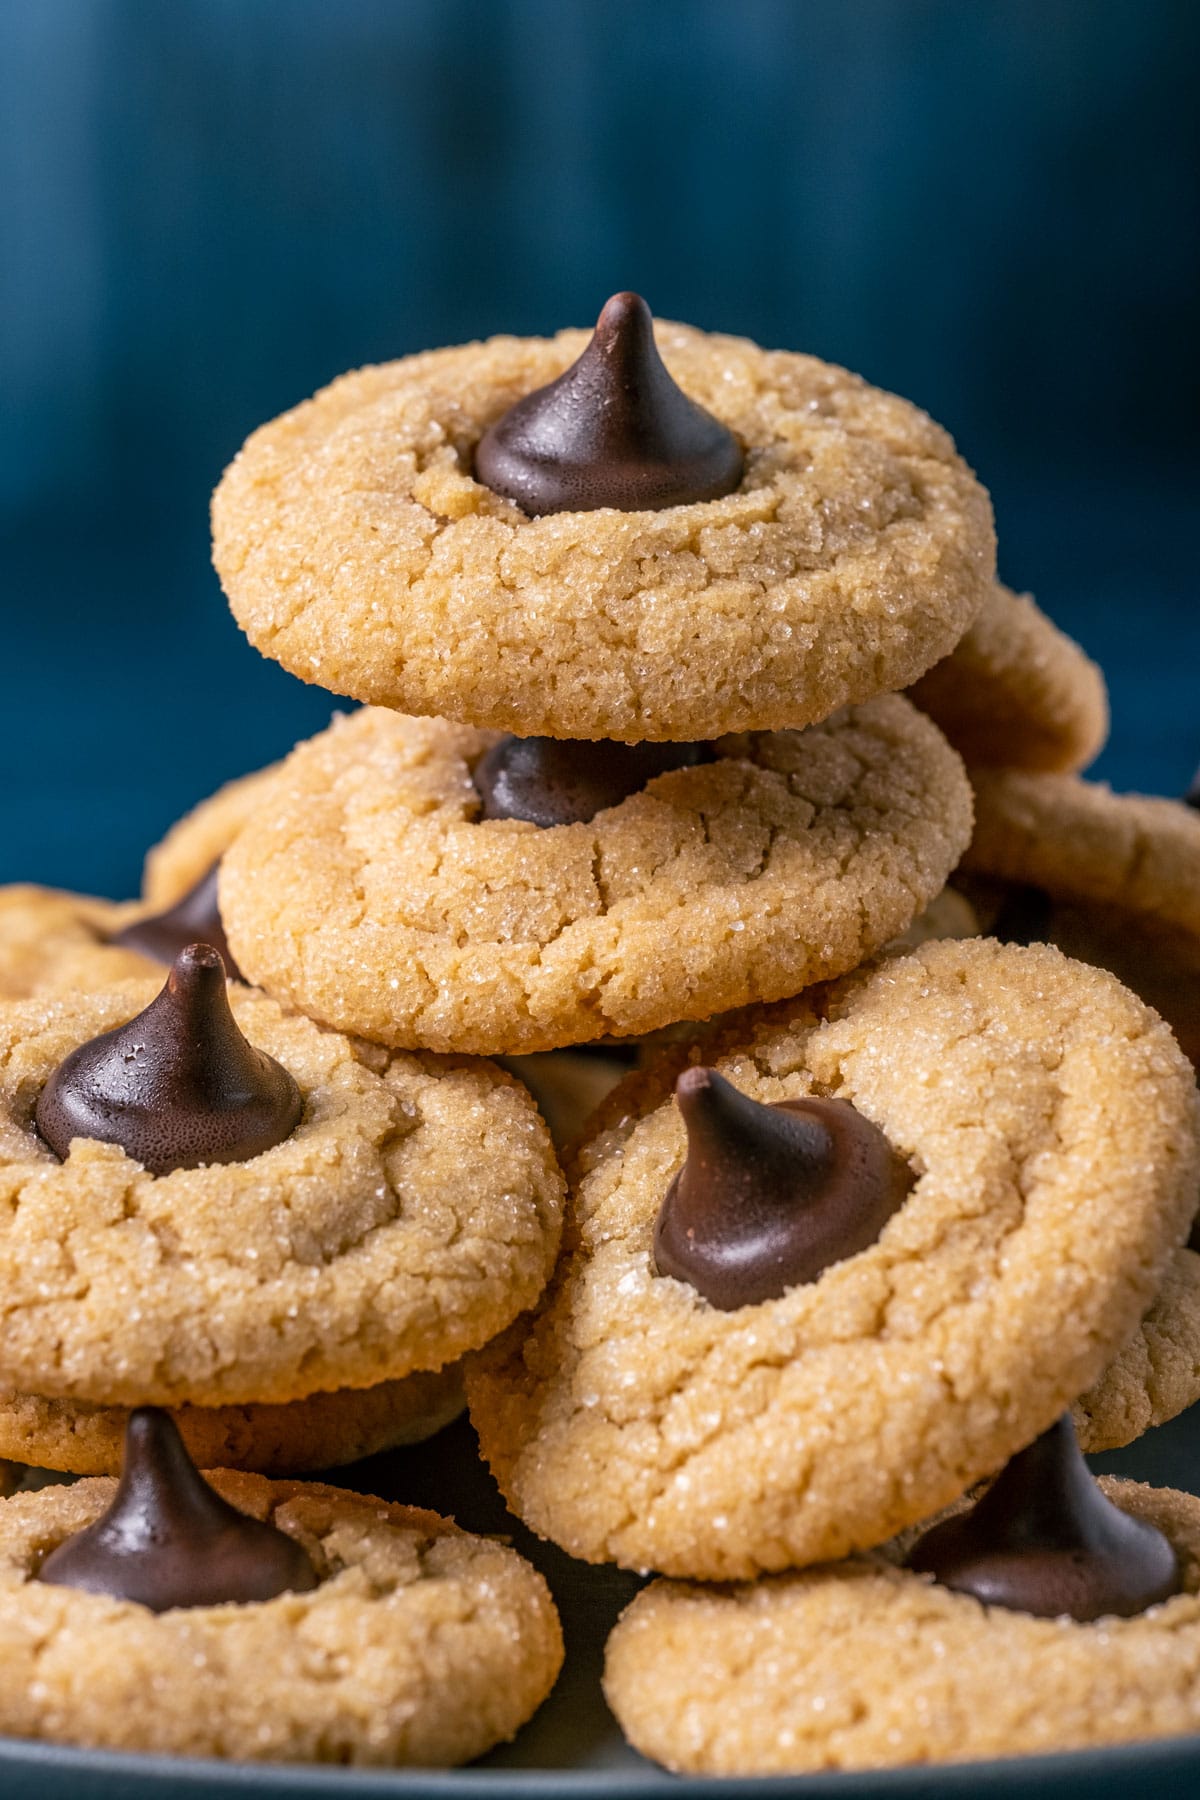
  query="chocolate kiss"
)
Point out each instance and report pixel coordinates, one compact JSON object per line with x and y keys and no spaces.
{"x":1045,"y":1540}
{"x":567,"y":781}
{"x":1192,"y":797}
{"x":194,"y":919}
{"x":770,"y":1195}
{"x":176,"y":1087}
{"x":614,"y":430}
{"x":169,"y":1539}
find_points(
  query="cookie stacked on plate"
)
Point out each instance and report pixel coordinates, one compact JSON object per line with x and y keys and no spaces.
{"x":670,"y":646}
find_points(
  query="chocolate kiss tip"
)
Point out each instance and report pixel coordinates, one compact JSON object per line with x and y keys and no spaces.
{"x":176,"y":1087}
{"x":614,"y":430}
{"x":1046,"y":1540}
{"x":770,"y":1196}
{"x":195,"y":917}
{"x":169,"y":1539}
{"x":567,"y":781}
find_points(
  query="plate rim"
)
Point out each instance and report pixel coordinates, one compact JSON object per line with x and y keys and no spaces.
{"x":1143,"y":1756}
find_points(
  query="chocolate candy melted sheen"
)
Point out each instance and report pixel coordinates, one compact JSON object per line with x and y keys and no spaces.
{"x":614,"y":430}
{"x":770,"y":1195}
{"x":194,"y":919}
{"x":567,"y":781}
{"x":169,"y":1539}
{"x":1045,"y":1540}
{"x":176,"y":1087}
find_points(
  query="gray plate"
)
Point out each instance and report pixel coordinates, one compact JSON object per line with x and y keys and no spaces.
{"x":572,"y":1747}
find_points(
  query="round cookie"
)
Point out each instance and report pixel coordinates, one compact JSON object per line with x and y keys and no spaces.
{"x":319,"y":1432}
{"x":52,"y":941}
{"x":1050,"y":1123}
{"x":866,"y":1665}
{"x":1123,"y":874}
{"x":358,"y":550}
{"x":412,"y":1213}
{"x":373,"y":897}
{"x":422,"y":1645}
{"x":1016,"y":692}
{"x":1156,"y":1376}
{"x":198,"y":840}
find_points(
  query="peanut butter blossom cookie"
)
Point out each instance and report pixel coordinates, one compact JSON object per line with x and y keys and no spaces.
{"x":274,"y":1621}
{"x":321,"y":1431}
{"x":207,"y":1201}
{"x":381,"y":893}
{"x":1017,"y":692}
{"x":812,"y":1296}
{"x":1113,"y":879}
{"x":646,"y":533}
{"x":1056,"y":1613}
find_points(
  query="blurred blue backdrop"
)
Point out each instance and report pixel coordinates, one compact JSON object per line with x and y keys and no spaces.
{"x":210,"y":207}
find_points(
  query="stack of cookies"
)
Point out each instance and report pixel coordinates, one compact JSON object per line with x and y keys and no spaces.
{"x":687,"y":681}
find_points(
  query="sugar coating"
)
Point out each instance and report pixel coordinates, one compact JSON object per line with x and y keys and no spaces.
{"x":321,"y":1431}
{"x":198,"y":840}
{"x":1050,"y":1121}
{"x":1079,"y":840}
{"x":414,"y":1211}
{"x":368,"y":893}
{"x":357,"y":549}
{"x":422,"y":1645}
{"x":864,"y":1665}
{"x":1016,"y":692}
{"x":52,"y":941}
{"x":1156,"y":1375}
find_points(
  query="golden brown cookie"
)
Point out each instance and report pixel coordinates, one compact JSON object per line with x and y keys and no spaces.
{"x":357,"y":549}
{"x":322,"y":1431}
{"x":198,"y":840}
{"x":1050,"y":1124}
{"x":1122,"y":872}
{"x":1156,"y":1375}
{"x":411,"y":1214}
{"x":422,"y":1644}
{"x":1016,"y":692}
{"x":372,"y":896}
{"x":865,"y":1665}
{"x":52,"y":941}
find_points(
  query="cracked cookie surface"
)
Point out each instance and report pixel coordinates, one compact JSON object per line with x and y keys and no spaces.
{"x":321,"y":1431}
{"x":1122,"y":876}
{"x":357,"y":549}
{"x":865,"y":1665}
{"x":370,"y":895}
{"x":52,"y":941}
{"x":1016,"y":691}
{"x":423,"y":1644}
{"x":413,"y":1212}
{"x":1156,"y":1375}
{"x":1050,"y":1121}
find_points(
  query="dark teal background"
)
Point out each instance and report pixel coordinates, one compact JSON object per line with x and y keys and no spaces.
{"x":209,"y":207}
